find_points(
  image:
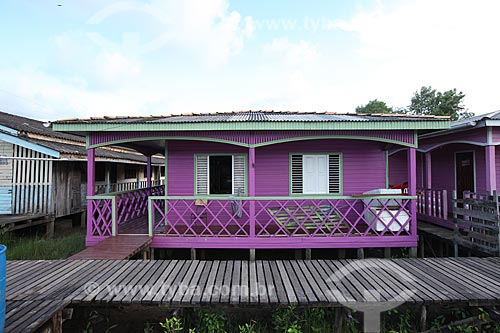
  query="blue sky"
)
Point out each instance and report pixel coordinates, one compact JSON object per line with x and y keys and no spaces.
{"x":118,"y":58}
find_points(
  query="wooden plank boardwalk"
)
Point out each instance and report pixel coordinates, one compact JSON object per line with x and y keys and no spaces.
{"x":36,"y":290}
{"x":117,"y":248}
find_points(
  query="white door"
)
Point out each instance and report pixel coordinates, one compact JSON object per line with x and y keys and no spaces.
{"x":315,"y":174}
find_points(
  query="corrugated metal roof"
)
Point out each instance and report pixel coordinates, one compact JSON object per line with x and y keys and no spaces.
{"x":71,"y":149}
{"x":256,"y":116}
{"x":495,"y":115}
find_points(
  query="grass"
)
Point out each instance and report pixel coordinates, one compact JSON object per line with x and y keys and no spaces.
{"x":38,"y":248}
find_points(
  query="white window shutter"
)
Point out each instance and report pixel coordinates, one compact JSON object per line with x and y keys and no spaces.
{"x":334,"y":176}
{"x":201,"y":174}
{"x":297,"y":177}
{"x":239,"y":165}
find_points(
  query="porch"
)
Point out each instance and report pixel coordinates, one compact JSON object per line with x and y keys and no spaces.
{"x":255,"y":222}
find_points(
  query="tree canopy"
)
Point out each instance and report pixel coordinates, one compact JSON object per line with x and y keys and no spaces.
{"x":374,"y":106}
{"x":429,"y":101}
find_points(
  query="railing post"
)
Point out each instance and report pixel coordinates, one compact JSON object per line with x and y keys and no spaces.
{"x":114,"y":211}
{"x":445,"y":204}
{"x":412,"y":187}
{"x":251,"y":189}
{"x":90,"y":189}
{"x":148,"y":171}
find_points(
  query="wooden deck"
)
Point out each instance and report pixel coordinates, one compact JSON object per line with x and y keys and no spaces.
{"x":474,"y":281}
{"x":116,"y":248}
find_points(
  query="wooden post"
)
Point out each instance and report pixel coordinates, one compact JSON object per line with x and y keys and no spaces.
{"x":339,"y":319}
{"x":90,"y":186}
{"x":423,"y":318}
{"x":50,"y":226}
{"x":83,"y":218}
{"x":341,"y":253}
{"x":57,"y":322}
{"x":361,"y":253}
{"x":387,"y":252}
{"x":456,"y":231}
{"x":107,"y":177}
{"x":491,"y":174}
{"x":251,"y":194}
{"x":308,"y":254}
{"x":148,"y":171}
{"x":421,"y":243}
{"x":428,"y":170}
{"x":413,"y":252}
{"x":252,"y":254}
{"x":412,"y":191}
{"x":193,"y":254}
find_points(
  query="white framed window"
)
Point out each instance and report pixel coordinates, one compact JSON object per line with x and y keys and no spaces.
{"x":220,"y":174}
{"x":316,"y":173}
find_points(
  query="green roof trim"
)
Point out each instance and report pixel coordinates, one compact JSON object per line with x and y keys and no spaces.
{"x":255,"y":125}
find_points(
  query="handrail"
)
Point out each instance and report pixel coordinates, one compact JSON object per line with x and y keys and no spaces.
{"x":314,"y":197}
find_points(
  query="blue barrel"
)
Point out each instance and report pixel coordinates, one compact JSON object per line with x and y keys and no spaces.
{"x":3,"y":266}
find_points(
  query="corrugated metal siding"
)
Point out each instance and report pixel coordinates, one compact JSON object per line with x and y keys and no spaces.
{"x":255,"y":137}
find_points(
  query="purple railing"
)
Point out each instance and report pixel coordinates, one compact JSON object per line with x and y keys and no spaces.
{"x":109,"y":211}
{"x":432,"y":206}
{"x":281,"y":222}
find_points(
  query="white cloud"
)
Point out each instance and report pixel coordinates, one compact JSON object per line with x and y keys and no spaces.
{"x":447,"y":44}
{"x":207,"y":29}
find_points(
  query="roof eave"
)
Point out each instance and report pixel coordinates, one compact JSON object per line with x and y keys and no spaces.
{"x":239,"y":126}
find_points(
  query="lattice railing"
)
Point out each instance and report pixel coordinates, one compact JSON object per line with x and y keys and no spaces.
{"x":432,"y":204}
{"x":283,"y":217}
{"x":101,"y":221}
{"x":106,"y":212}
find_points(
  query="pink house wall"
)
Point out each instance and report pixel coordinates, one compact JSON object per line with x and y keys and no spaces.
{"x":363,"y":164}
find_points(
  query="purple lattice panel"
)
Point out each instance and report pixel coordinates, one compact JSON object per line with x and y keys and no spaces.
{"x":102,"y":217}
{"x":290,"y":218}
{"x":333,"y":218}
{"x":134,"y":204}
{"x":198,"y":218}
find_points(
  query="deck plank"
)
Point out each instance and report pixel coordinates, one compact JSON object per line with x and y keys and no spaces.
{"x":32,"y":299}
{"x":117,"y":248}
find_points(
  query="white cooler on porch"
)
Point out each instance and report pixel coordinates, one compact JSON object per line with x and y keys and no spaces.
{"x":385,"y":217}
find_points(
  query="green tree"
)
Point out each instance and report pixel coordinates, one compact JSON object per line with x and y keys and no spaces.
{"x":429,"y":101}
{"x":374,"y":106}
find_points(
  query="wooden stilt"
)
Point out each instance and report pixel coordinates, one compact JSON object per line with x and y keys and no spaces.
{"x":423,"y":318}
{"x":298,"y":254}
{"x":387,"y":252}
{"x":308,"y":254}
{"x":50,"y":228}
{"x":83,"y":219}
{"x":421,"y":245}
{"x":413,"y":252}
{"x":339,"y":319}
{"x":193,"y":254}
{"x":145,"y":254}
{"x":57,"y":322}
{"x":252,"y":254}
{"x":152,"y":254}
{"x":361,"y":253}
{"x":341,"y":253}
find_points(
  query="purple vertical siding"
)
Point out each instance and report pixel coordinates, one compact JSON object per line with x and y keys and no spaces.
{"x":443,"y":167}
{"x":251,"y":137}
{"x":495,"y":134}
{"x":497,"y":163}
{"x":363,"y":165}
{"x":181,"y":162}
{"x":398,"y":168}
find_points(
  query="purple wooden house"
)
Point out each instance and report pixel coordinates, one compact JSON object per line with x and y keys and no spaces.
{"x":462,"y":158}
{"x":261,"y":180}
